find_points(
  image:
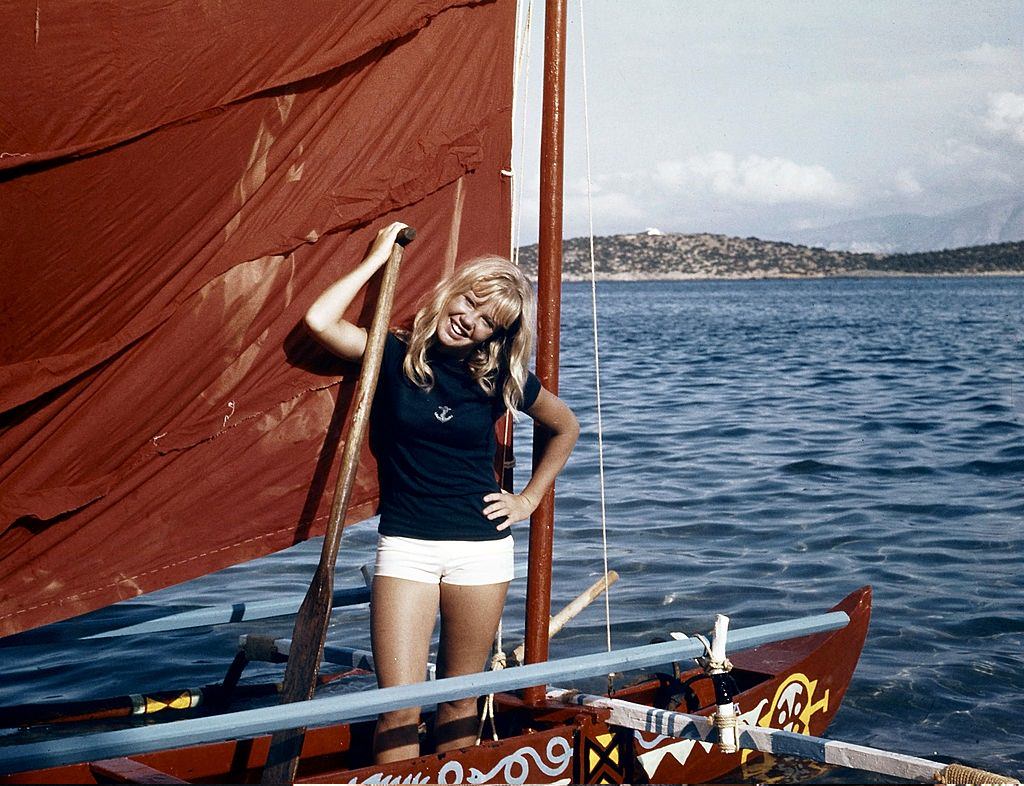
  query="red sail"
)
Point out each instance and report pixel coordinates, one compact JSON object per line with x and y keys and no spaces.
{"x":177,"y":183}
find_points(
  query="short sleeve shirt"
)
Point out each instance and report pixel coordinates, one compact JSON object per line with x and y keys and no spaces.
{"x":436,"y":449}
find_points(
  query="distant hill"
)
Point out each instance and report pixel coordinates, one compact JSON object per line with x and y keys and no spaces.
{"x":992,"y":222}
{"x":636,"y":257}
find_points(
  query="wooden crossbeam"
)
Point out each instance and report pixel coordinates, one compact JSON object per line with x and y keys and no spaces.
{"x":326,"y":710}
{"x":786,"y":743}
{"x":236,"y":612}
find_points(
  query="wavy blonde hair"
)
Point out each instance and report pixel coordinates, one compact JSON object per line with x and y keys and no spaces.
{"x":501,"y":359}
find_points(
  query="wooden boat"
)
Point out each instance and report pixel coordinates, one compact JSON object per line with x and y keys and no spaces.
{"x":796,"y":684}
{"x":155,"y":498}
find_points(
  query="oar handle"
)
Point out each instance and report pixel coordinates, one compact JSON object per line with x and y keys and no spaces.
{"x":368,"y":376}
{"x":314,"y":613}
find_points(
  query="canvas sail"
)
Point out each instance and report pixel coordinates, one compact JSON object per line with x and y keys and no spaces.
{"x":177,"y":184}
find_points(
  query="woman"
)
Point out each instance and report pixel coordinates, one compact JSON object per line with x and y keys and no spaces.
{"x":444,"y":541}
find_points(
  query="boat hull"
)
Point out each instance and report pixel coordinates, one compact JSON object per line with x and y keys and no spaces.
{"x":796,"y":684}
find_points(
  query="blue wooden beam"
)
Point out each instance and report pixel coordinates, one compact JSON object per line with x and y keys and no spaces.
{"x":236,"y":612}
{"x":335,"y":709}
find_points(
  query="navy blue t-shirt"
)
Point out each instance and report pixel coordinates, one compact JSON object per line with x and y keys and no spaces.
{"x":436,"y":449}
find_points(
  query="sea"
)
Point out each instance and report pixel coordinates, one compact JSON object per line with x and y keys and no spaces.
{"x":768,"y":447}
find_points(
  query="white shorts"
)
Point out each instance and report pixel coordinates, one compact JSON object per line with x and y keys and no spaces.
{"x":464,"y":562}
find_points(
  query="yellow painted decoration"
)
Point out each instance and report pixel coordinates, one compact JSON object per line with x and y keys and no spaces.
{"x":610,"y":749}
{"x":794,"y":705}
{"x":182,"y":701}
{"x":603,"y":759}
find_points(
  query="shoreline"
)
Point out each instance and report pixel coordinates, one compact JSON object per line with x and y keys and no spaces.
{"x":679,"y":276}
{"x":711,"y":257}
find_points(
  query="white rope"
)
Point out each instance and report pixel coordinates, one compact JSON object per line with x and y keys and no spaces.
{"x":597,"y":347}
{"x":498,"y":661}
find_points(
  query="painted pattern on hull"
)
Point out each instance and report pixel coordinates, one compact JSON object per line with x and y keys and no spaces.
{"x":540,"y":763}
{"x":603,"y":759}
{"x":792,"y":708}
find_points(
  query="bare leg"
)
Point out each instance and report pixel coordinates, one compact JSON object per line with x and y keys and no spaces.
{"x":402,"y":615}
{"x":469,"y":620}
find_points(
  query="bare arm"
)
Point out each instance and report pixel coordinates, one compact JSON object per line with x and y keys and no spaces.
{"x":552,"y":413}
{"x":324,"y":318}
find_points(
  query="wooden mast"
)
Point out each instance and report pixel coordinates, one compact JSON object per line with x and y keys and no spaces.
{"x":549,"y":292}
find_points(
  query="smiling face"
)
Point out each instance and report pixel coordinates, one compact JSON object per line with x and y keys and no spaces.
{"x":466,"y":321}
{"x":482,"y":314}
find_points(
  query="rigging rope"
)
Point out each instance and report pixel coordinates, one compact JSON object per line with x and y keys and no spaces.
{"x":521,"y":72}
{"x":597,"y":347}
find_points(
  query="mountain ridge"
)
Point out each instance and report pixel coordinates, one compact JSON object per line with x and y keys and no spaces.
{"x":997,"y":221}
{"x":706,"y":256}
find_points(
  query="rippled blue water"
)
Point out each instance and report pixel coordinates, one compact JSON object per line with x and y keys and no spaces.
{"x":769,"y":446}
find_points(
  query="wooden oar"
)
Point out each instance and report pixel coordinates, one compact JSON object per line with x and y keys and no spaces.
{"x":315,"y":611}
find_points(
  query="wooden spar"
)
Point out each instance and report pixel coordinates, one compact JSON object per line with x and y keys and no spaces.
{"x":776,"y":741}
{"x":571,"y":609}
{"x":549,"y":294}
{"x":326,"y":710}
{"x":315,"y":612}
{"x":167,"y":701}
{"x":236,"y":612}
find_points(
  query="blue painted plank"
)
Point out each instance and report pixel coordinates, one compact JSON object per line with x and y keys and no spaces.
{"x":334,"y":709}
{"x":237,"y":612}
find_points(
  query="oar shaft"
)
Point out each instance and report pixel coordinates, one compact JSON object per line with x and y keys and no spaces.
{"x":314,"y":613}
{"x":368,"y":375}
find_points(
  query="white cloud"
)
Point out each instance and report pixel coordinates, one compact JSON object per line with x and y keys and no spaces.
{"x":609,"y":205}
{"x":753,"y":180}
{"x":615,"y":208}
{"x":959,"y":152}
{"x":906,"y":182}
{"x":1006,"y":114}
{"x":1005,"y":59}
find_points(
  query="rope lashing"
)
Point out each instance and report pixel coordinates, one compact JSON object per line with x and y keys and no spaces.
{"x":962,"y":774}
{"x":717,"y":666}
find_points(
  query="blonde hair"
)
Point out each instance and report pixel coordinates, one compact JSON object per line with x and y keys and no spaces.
{"x":502,"y":358}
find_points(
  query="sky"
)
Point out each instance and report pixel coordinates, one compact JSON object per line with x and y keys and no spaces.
{"x":760,"y":117}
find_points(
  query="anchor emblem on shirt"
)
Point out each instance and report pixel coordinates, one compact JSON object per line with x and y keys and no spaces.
{"x":443,"y":414}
